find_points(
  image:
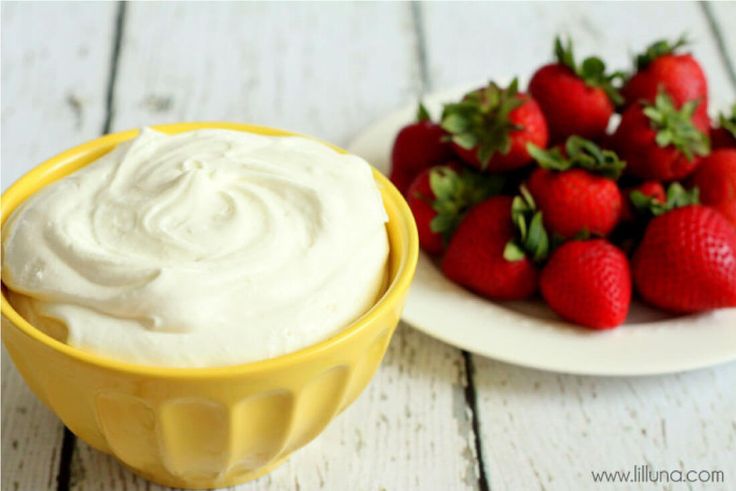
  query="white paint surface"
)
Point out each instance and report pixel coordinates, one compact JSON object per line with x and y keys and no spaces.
{"x":329,"y":70}
{"x":54,"y":75}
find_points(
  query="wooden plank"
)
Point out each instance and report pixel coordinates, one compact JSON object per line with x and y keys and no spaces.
{"x":723,"y":14}
{"x":55,"y":62}
{"x":319,"y":70}
{"x":548,"y":431}
{"x":474,"y":42}
{"x":324,"y":71}
{"x":409,"y":430}
{"x":54,"y":68}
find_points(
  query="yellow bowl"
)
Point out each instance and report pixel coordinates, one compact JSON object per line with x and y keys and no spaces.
{"x":206,"y":427}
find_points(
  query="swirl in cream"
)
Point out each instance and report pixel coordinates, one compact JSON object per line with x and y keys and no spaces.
{"x":205,"y":248}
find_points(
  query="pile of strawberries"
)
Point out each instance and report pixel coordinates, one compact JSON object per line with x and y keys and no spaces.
{"x":523,"y":192}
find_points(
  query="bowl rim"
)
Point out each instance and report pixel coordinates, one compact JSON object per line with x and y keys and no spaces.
{"x":394,"y":293}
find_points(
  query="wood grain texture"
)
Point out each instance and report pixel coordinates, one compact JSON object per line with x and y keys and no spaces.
{"x":328,"y":71}
{"x":55,"y":60}
{"x":323,"y":71}
{"x":409,"y":430}
{"x":723,"y":14}
{"x":54,"y":67}
{"x":466,"y":44}
{"x":311,"y":68}
{"x":549,"y":431}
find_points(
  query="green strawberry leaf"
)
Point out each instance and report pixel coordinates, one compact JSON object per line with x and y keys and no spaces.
{"x":592,"y":71}
{"x":643,"y":201}
{"x":564,"y":54}
{"x":549,"y":159}
{"x":442,"y":222}
{"x":678,"y":196}
{"x":512,"y":252}
{"x":593,"y":67}
{"x":465,"y":140}
{"x":455,"y":192}
{"x":531,"y":238}
{"x":659,"y":48}
{"x":675,"y":127}
{"x":537,"y":241}
{"x":423,"y":114}
{"x":480,"y":120}
{"x":455,"y":124}
{"x":586,"y":154}
{"x":582,"y":153}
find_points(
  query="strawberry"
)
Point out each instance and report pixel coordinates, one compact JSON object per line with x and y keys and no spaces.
{"x":661,"y":67}
{"x":651,"y":200}
{"x":575,"y":99}
{"x":686,"y":261}
{"x":642,"y":204}
{"x":648,"y":190}
{"x":441,"y":195}
{"x":494,"y":248}
{"x":659,"y":141}
{"x":588,"y":282}
{"x":651,"y":189}
{"x":716,"y":181}
{"x":490,"y":127}
{"x":724,"y":135}
{"x":576,"y":189}
{"x":417,"y":146}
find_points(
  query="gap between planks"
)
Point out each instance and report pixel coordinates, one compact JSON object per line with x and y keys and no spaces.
{"x":69,"y":441}
{"x":728,"y":63}
{"x":470,"y":390}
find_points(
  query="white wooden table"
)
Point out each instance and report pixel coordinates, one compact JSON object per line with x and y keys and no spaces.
{"x":433,"y":417}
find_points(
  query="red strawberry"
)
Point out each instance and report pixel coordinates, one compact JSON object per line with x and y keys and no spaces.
{"x":490,"y":256}
{"x":588,"y":283}
{"x":716,"y":182}
{"x":687,"y":261}
{"x":576,"y":100}
{"x":441,"y":195}
{"x":653,"y":189}
{"x":660,"y":67}
{"x":649,"y":190}
{"x":661,"y":142}
{"x":577,"y":191}
{"x":724,"y":136}
{"x":417,"y":146}
{"x":490,"y":127}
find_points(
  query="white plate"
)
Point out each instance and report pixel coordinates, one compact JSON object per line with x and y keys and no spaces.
{"x":528,"y":333}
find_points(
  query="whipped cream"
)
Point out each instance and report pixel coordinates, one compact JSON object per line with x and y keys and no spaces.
{"x":205,"y":248}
